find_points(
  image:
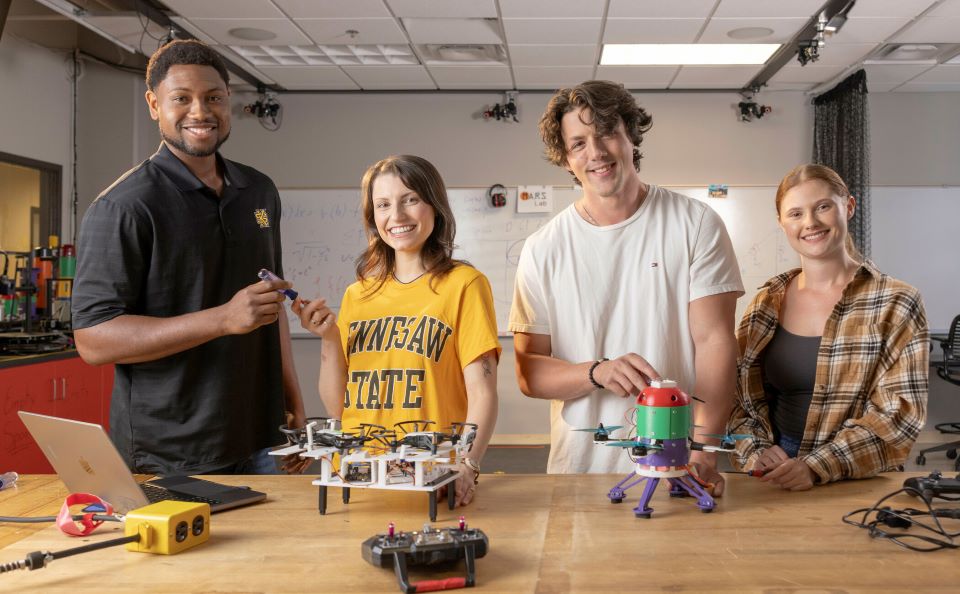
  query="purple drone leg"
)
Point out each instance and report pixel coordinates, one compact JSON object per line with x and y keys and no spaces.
{"x":617,"y":493}
{"x":704,"y":501}
{"x":643,"y":510}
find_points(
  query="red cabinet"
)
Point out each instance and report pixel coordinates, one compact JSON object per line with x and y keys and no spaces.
{"x":66,"y":387}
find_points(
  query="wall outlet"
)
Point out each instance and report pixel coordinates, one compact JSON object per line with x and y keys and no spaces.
{"x":168,"y":527}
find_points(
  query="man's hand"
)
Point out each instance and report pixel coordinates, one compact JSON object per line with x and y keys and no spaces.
{"x":705,"y":466}
{"x":625,"y":376}
{"x":793,"y":474}
{"x":253,"y":306}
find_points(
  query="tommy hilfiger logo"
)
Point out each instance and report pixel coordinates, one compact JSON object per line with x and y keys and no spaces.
{"x":262,"y":219}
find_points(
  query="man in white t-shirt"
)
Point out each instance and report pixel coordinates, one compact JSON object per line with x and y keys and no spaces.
{"x":632,"y":282}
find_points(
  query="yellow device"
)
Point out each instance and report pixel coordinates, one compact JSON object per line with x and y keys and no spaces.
{"x":168,"y":527}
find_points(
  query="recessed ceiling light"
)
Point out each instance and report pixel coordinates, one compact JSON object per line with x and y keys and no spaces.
{"x":676,"y":54}
{"x":750,"y":33}
{"x":252,"y":34}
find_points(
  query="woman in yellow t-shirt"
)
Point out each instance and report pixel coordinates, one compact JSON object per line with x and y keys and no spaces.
{"x":416,"y":335}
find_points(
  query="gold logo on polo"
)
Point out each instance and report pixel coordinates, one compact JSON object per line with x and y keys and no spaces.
{"x":262,"y":219}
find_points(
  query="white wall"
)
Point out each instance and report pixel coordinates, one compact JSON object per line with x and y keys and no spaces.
{"x":35,"y":106}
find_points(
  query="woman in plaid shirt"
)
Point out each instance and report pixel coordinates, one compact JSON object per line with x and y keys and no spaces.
{"x":832,"y":373}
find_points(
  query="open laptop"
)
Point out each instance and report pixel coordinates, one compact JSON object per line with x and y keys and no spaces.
{"x":87,"y":462}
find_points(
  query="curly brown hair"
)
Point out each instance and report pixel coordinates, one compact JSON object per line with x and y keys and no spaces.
{"x":378,"y":260}
{"x":608,"y":102}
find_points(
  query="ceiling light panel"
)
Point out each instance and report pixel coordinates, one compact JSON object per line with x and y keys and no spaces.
{"x":327,"y":9}
{"x":652,"y":30}
{"x":219,"y":29}
{"x":238,"y":9}
{"x":658,"y":9}
{"x":480,"y":31}
{"x":552,"y":30}
{"x":305,"y":55}
{"x":353,"y":31}
{"x":538,"y":9}
{"x":667,"y":54}
{"x":444,"y":8}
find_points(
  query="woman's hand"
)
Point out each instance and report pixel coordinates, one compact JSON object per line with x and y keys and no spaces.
{"x":465,"y":485}
{"x":316,"y":318}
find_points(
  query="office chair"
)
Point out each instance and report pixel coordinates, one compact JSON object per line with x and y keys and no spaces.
{"x":951,"y":358}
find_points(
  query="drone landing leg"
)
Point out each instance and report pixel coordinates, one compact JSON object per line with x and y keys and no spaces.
{"x":322,"y":500}
{"x":618,"y":491}
{"x":704,"y":500}
{"x":643,"y":510}
{"x":451,"y":496}
{"x":433,"y":506}
{"x":346,"y":494}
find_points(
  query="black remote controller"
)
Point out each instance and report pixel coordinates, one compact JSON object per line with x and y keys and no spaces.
{"x":933,"y":485}
{"x":429,"y":546}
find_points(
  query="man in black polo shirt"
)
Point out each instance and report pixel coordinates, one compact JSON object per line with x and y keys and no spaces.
{"x":164,"y":288}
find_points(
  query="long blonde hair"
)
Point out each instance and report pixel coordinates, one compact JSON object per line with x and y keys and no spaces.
{"x":813,"y":171}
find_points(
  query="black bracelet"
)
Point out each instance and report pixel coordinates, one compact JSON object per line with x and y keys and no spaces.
{"x":595,"y":383}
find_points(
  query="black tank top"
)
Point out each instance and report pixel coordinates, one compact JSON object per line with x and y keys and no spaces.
{"x":789,"y":373}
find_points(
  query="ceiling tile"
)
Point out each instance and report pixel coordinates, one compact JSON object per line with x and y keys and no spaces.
{"x":194,"y":30}
{"x":553,"y":55}
{"x":472,"y":77}
{"x":444,"y":8}
{"x":552,"y":30}
{"x":244,"y":64}
{"x":728,"y":77}
{"x":453,"y":31}
{"x":811,"y":73}
{"x":638,"y":77}
{"x":877,"y":87}
{"x":331,"y":9}
{"x":310,"y":77}
{"x":652,"y":30}
{"x":915,"y":87}
{"x":932,"y":30}
{"x":890,"y":8}
{"x":551,"y":77}
{"x":783,"y":29}
{"x":658,"y":9}
{"x":512,"y":9}
{"x":236,"y":9}
{"x":129,"y":30}
{"x":943,"y":73}
{"x":285,"y":31}
{"x":774,"y":87}
{"x":947,"y":8}
{"x":369,"y":31}
{"x":868,"y":29}
{"x":390,"y":77}
{"x":768,"y":8}
{"x":894,"y":73}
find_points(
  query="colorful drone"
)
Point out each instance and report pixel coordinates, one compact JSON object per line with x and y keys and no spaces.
{"x":661,"y":448}
{"x":406,"y":458}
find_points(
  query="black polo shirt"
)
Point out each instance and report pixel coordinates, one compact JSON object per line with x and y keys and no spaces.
{"x":159,"y":243}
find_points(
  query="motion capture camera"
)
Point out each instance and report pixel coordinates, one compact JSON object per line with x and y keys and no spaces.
{"x":808,"y":51}
{"x":750,"y":110}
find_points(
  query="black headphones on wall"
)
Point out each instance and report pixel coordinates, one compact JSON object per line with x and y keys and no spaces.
{"x":497,"y":193}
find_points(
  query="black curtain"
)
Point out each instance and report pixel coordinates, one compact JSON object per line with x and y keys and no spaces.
{"x":841,"y":141}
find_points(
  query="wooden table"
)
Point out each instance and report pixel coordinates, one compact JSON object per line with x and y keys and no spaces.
{"x":548,"y":533}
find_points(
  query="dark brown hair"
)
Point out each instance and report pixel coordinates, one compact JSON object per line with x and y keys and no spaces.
{"x":378,"y":261}
{"x":608,"y":102}
{"x":183,"y":51}
{"x":822,"y":173}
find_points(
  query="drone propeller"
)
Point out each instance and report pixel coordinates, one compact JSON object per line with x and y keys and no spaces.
{"x":601,"y":428}
{"x":727,"y":436}
{"x":634,"y":444}
{"x":417,"y":426}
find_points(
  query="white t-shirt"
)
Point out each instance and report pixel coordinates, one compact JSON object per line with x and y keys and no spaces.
{"x":607,"y":291}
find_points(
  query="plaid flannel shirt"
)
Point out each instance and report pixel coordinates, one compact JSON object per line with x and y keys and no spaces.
{"x":870,"y":392}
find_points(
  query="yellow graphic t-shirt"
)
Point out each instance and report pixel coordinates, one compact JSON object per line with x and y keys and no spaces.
{"x":406,"y":347}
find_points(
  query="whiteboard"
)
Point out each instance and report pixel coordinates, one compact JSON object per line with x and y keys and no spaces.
{"x":323,"y":235}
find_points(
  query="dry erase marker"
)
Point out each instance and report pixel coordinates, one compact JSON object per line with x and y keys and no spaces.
{"x":266,"y":275}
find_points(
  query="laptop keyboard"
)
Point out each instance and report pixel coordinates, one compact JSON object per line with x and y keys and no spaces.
{"x":155,"y":494}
